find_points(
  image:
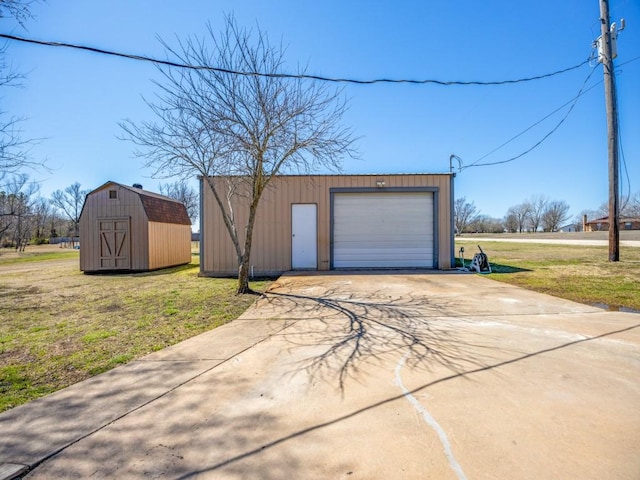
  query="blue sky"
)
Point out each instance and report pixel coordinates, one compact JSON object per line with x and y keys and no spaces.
{"x":74,"y":100}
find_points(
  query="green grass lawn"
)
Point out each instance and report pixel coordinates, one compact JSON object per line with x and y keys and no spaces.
{"x":579,"y":273}
{"x":59,"y":326}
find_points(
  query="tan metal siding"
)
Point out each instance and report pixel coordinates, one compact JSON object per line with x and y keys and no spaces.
{"x":271,"y":252}
{"x":169,"y":245}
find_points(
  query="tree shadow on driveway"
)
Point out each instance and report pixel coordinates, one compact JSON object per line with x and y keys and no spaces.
{"x":345,"y":332}
{"x":348,"y":332}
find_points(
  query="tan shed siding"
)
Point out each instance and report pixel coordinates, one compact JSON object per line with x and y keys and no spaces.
{"x":271,"y":250}
{"x":169,"y":245}
{"x":98,"y":206}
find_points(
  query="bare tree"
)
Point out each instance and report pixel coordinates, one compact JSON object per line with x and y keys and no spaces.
{"x":537,"y":205}
{"x":519,"y":216}
{"x":602,"y":211}
{"x":14,"y":150}
{"x":632,"y":206}
{"x":554,"y":215}
{"x":42,"y":213}
{"x":8,"y":207}
{"x":19,"y":10}
{"x":239,"y":130}
{"x":464,"y":214}
{"x":184,"y":193}
{"x":69,"y":202}
{"x":486,"y":224}
{"x":510,"y":222}
{"x":16,"y":201}
{"x":629,"y":208}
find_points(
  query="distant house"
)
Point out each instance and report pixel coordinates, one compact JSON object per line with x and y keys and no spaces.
{"x":130,"y":229}
{"x":602,"y":224}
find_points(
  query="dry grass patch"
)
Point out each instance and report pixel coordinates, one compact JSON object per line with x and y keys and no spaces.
{"x":60,"y":326}
{"x":579,"y":273}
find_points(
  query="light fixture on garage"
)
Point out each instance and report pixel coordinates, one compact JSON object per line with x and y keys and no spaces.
{"x":380,"y":183}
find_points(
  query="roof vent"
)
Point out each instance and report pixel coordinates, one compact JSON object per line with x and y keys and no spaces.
{"x":137,"y":185}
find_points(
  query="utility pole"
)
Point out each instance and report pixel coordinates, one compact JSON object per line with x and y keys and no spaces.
{"x":606,"y":48}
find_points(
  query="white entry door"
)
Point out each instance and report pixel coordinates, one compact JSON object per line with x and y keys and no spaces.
{"x":304,"y":236}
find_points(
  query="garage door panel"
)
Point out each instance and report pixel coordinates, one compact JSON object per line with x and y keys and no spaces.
{"x":397,"y":239}
{"x":360,"y":230}
{"x":383,"y":230}
{"x":384,"y":258}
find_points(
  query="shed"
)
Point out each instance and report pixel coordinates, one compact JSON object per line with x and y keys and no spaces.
{"x":331,"y":222}
{"x":130,"y":229}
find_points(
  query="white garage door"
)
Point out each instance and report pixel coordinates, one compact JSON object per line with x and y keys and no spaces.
{"x":383,"y":229}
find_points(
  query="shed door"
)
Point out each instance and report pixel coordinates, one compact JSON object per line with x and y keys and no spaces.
{"x":304,"y":236}
{"x":115,"y":250}
{"x":383,"y":230}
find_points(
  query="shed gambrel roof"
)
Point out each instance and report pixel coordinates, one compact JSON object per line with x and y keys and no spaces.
{"x":158,"y":208}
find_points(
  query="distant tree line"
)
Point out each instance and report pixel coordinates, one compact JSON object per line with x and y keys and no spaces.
{"x":538,"y":213}
{"x":27,"y":217}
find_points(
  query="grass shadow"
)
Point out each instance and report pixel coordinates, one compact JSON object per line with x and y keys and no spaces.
{"x":168,"y":271}
{"x":495,"y":267}
{"x":499,"y":268}
{"x":152,"y":273}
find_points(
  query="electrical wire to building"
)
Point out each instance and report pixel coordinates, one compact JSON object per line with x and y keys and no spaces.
{"x":574,"y":99}
{"x":573,"y":103}
{"x":622,"y":168}
{"x":289,"y":75}
{"x":476,"y":163}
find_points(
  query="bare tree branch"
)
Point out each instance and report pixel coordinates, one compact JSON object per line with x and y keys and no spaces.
{"x":242,"y":130}
{"x":464,"y":214}
{"x":70,"y":202}
{"x":14,"y":150}
{"x":555,"y":214}
{"x":17,"y":199}
{"x":184,"y":193}
{"x":19,"y":10}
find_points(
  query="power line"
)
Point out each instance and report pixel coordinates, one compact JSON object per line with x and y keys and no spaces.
{"x":629,"y":61}
{"x":285,"y":75}
{"x":573,"y":102}
{"x":535,"y":124}
{"x":623,"y":201}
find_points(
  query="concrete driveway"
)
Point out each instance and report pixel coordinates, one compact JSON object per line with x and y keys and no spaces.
{"x":359,"y":376}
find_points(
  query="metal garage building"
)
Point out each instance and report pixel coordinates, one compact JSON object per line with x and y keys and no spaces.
{"x":129,"y":229}
{"x":326,"y":222}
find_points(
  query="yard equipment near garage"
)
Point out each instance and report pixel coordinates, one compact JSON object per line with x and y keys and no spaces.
{"x":479,"y":263}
